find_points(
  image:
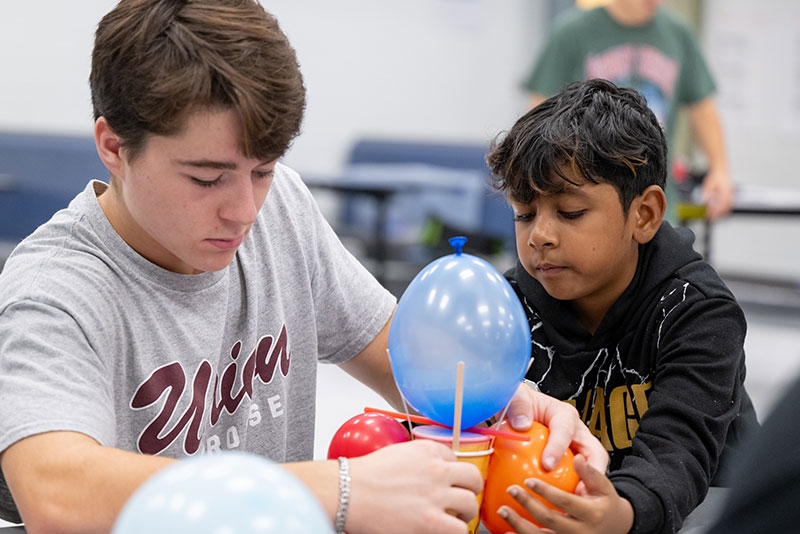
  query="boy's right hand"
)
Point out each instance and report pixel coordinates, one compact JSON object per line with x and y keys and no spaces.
{"x":567,"y":430}
{"x":412,"y":487}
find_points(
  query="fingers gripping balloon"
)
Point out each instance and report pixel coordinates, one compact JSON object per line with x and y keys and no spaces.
{"x":512,"y":462}
{"x":459,"y":308}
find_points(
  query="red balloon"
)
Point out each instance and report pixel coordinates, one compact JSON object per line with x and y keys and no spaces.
{"x":366,"y":433}
{"x":511,"y":463}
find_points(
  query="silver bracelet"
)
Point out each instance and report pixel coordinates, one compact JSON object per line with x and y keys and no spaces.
{"x":344,"y":494}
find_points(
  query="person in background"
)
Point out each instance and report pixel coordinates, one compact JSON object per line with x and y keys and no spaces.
{"x":628,"y":322}
{"x":639,"y":44}
{"x":182,"y":307}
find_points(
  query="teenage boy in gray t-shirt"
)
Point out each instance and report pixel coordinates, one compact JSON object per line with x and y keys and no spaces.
{"x":182,"y":307}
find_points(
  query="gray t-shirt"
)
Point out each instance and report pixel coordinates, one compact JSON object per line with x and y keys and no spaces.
{"x":96,"y":339}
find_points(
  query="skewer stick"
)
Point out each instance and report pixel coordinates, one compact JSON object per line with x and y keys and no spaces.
{"x":459,"y":405}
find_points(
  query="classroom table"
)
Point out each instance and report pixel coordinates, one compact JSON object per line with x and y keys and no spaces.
{"x":750,"y":201}
{"x":383,"y":183}
{"x":381,"y":193}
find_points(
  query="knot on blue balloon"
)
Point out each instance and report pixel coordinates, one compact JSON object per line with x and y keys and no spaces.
{"x":458,"y":243}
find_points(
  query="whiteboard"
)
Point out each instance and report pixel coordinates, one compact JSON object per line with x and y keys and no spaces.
{"x":753,"y":49}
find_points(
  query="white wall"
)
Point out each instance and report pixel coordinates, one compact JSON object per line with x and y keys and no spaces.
{"x":436,"y":69}
{"x":427,"y":69}
{"x":45,"y":50}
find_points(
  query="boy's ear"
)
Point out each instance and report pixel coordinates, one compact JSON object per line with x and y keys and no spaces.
{"x":648,"y":211}
{"x":108,"y":146}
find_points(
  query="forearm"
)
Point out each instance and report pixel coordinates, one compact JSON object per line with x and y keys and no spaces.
{"x":647,"y":512}
{"x":674,"y":457}
{"x":718,"y":192}
{"x":66,"y":482}
{"x":707,"y":127}
{"x":382,"y":383}
{"x":322,"y":478}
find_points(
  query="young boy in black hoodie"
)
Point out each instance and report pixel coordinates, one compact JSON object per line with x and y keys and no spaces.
{"x":628,"y":323}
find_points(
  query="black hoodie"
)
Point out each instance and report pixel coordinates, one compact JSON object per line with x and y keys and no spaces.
{"x":660,"y":382}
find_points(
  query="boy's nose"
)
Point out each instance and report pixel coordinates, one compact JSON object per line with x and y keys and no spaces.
{"x":542,"y":233}
{"x":240,"y":205}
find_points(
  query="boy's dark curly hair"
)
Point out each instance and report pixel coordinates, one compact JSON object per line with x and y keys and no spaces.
{"x":592,"y":129}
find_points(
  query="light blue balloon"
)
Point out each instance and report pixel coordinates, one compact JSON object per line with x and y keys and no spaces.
{"x":229,"y":492}
{"x":459,"y":308}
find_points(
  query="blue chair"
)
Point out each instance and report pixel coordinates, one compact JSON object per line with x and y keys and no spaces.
{"x":39,"y":175}
{"x":495,"y":218}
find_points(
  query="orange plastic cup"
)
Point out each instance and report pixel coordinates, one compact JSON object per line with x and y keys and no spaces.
{"x":473,"y":448}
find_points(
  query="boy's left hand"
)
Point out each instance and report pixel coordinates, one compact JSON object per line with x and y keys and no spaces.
{"x":597,"y":508}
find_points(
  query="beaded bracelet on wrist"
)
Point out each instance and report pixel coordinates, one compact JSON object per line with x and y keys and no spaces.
{"x":344,"y":494}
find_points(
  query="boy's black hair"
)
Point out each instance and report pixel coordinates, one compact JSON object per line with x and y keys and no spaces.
{"x":592,"y":130}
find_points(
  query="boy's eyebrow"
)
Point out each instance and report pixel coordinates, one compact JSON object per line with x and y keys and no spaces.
{"x":212,"y":164}
{"x":207,"y":164}
{"x":566,"y":189}
{"x":570,"y":189}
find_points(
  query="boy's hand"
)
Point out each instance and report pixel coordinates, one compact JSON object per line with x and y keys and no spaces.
{"x":566,"y":428}
{"x":718,"y":194}
{"x":598,"y":508}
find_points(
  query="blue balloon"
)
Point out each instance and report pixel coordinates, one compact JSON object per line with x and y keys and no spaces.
{"x":459,"y":308}
{"x":231,"y":492}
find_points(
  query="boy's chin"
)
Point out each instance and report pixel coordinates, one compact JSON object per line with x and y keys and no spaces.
{"x":558,"y":291}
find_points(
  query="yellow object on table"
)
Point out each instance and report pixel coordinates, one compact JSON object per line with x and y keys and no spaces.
{"x":688,"y":211}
